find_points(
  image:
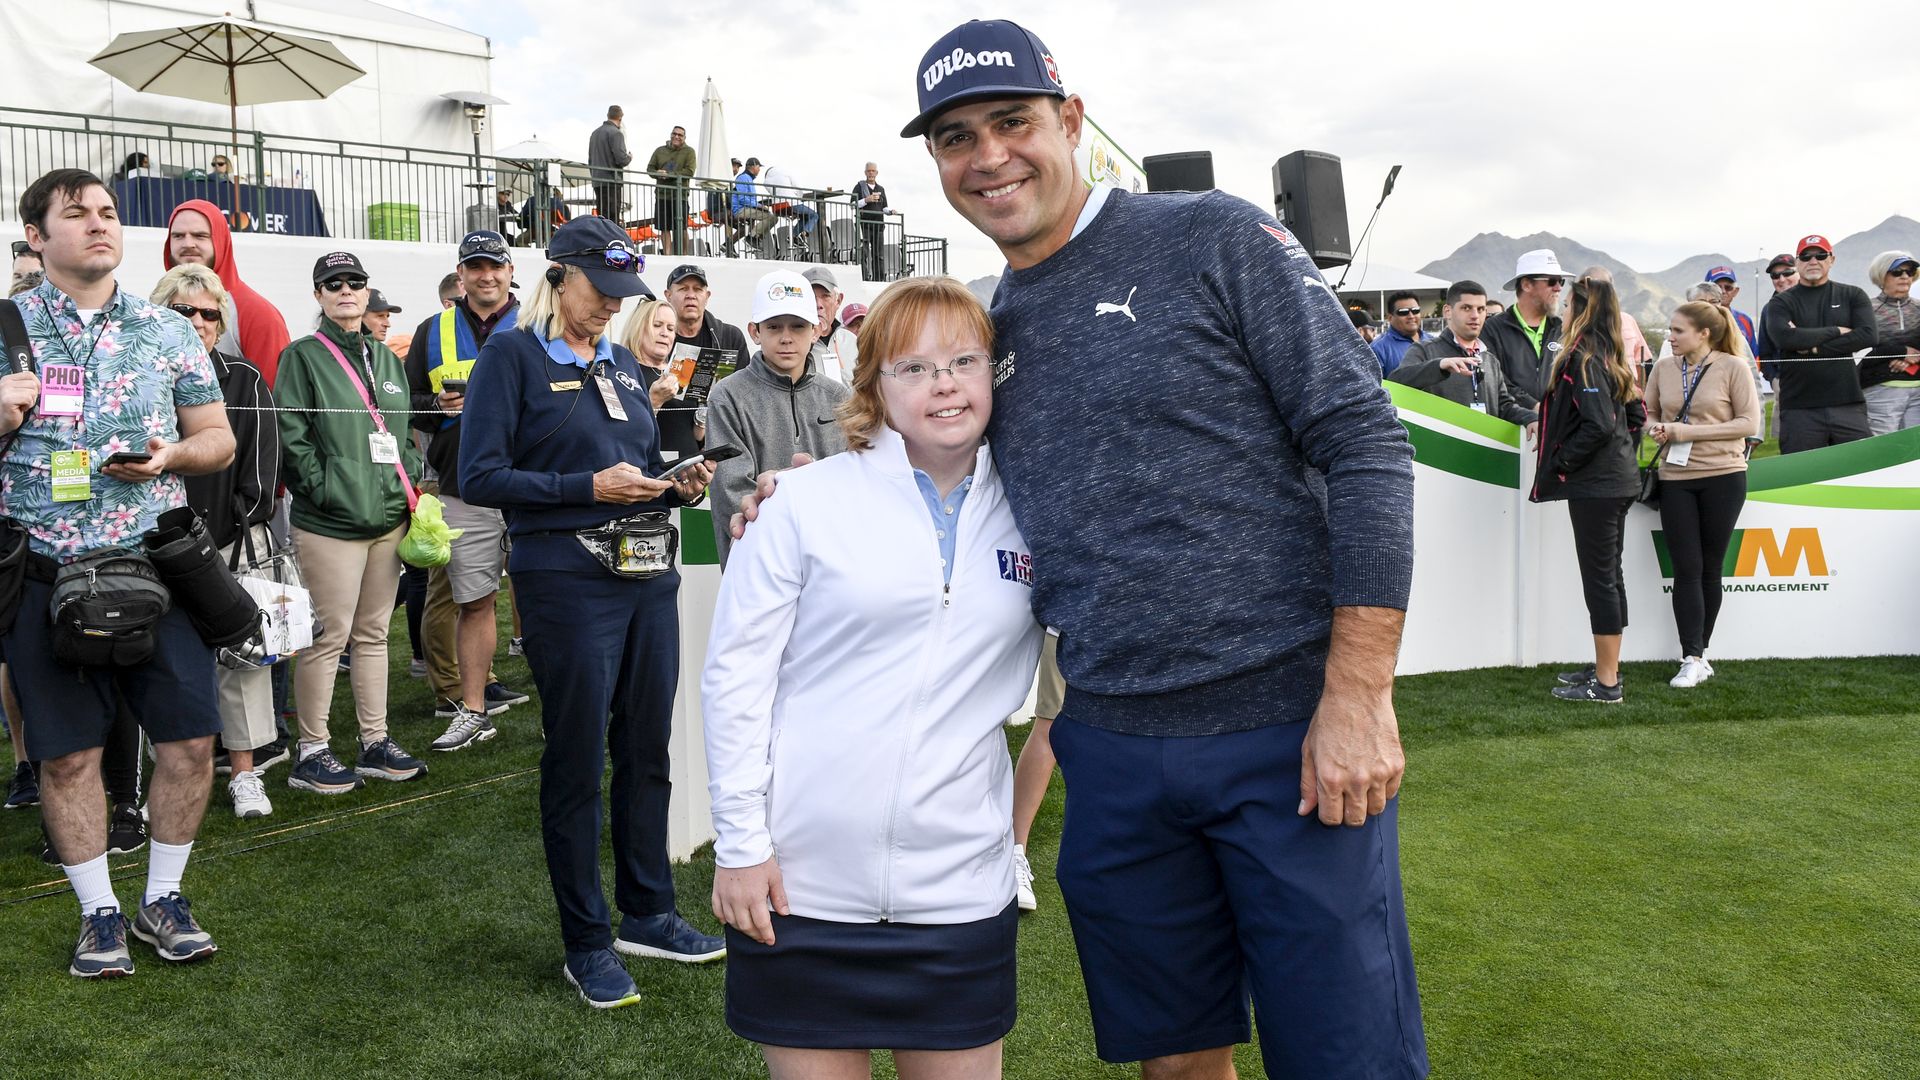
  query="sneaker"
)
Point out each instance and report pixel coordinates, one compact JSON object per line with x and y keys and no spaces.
{"x":1592,"y":691}
{"x":385,"y":760}
{"x":517,"y":646}
{"x":1579,"y":677}
{"x":1693,"y":672}
{"x":24,"y":788}
{"x":168,"y":926}
{"x":417,"y":669}
{"x":468,"y":727}
{"x":667,"y":937}
{"x":101,"y":952}
{"x":222,"y":761}
{"x":47,"y":854}
{"x":321,"y":773}
{"x":249,"y":795}
{"x":499,"y":694}
{"x":449,"y":708}
{"x":1023,"y":880}
{"x":603,"y":983}
{"x":266,"y":757}
{"x":346,"y":661}
{"x":126,"y":829}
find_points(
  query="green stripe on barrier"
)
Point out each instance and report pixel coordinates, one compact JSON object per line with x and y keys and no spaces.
{"x":697,"y":546}
{"x":1841,"y":497}
{"x":1832,"y":462}
{"x":1438,"y":450}
{"x":1419,"y":401}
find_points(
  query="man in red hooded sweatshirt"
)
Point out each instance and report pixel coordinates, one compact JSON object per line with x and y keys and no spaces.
{"x":198,"y":233}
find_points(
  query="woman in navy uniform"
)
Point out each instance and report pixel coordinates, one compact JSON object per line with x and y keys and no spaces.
{"x":560,"y":435}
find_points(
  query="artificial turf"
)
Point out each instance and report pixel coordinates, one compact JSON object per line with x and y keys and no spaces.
{"x":1705,"y":883}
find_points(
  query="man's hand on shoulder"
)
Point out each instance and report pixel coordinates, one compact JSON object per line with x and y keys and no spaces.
{"x":762,"y":491}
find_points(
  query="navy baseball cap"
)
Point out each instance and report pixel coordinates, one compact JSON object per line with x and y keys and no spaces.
{"x":596,"y":245}
{"x":982,"y":59}
{"x":485,"y":244}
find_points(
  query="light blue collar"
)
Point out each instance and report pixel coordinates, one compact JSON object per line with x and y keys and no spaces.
{"x":562,"y":353}
{"x":1096,"y":199}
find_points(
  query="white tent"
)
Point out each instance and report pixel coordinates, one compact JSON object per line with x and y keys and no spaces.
{"x":1372,"y":283}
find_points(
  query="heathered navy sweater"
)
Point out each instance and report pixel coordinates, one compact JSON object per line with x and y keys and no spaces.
{"x":1166,"y":382}
{"x":533,"y":434}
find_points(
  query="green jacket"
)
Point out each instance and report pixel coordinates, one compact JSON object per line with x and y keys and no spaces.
{"x":673,"y":166}
{"x":326,"y":457}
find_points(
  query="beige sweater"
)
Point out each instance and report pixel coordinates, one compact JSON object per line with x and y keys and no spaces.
{"x":1725,"y":410}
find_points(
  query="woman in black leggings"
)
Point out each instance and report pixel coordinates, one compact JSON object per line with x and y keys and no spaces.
{"x":1591,"y":417}
{"x":1701,"y":406}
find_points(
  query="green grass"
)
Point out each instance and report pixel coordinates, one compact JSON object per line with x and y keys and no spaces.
{"x":1695,"y":884}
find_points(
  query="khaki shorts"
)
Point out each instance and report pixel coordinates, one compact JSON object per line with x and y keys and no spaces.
{"x":479,"y":552}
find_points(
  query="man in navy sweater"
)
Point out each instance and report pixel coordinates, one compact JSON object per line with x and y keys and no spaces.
{"x":1226,"y":624}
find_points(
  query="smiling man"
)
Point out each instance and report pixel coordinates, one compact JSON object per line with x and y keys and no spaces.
{"x":1816,"y":326}
{"x":1228,"y":624}
{"x":197,"y":233}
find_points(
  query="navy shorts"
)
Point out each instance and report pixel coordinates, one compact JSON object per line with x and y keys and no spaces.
{"x":1192,"y":885}
{"x":67,"y":710}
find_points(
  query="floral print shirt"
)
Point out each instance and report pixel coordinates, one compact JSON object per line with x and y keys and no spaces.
{"x":142,"y":363}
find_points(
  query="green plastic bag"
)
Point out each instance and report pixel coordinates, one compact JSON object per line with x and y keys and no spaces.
{"x":428,"y":543}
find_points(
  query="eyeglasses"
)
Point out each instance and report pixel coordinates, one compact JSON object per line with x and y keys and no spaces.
{"x":1815,"y":256}
{"x":1782,"y":274}
{"x":336,"y":284}
{"x":619,"y":257}
{"x":207,"y":314}
{"x":915,"y":372}
{"x":1404,"y":311}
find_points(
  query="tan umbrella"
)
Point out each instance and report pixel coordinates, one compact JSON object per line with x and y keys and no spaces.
{"x":227,"y":61}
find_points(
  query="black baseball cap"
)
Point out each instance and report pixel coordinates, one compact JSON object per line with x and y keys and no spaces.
{"x":592,"y":244}
{"x":485,"y":244}
{"x":685,"y":271}
{"x":751,"y":162}
{"x":982,"y":59}
{"x":377,"y":302}
{"x":337,"y":264}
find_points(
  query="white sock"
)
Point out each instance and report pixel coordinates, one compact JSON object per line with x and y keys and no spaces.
{"x":93,"y":885}
{"x":308,"y":749}
{"x":165,"y":865}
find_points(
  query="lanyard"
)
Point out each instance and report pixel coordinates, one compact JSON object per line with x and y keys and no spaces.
{"x":100,"y":331}
{"x":1690,"y":381}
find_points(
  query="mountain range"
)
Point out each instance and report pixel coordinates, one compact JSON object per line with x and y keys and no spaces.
{"x":1489,"y":258}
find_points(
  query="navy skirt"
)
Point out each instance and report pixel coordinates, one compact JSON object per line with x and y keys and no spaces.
{"x":874,"y":986}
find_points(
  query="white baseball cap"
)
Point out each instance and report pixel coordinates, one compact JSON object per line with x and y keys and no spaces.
{"x":784,"y":292}
{"x":1541,"y":263}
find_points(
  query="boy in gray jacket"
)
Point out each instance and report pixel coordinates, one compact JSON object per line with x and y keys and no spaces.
{"x":777,"y":406}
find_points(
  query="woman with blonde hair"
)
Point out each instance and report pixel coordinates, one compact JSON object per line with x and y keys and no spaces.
{"x":873,"y":631}
{"x":649,"y":336}
{"x":1590,"y":420}
{"x":1701,"y":407}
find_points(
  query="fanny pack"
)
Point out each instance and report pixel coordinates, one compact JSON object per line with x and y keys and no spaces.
{"x":642,"y":546}
{"x":104,"y":608}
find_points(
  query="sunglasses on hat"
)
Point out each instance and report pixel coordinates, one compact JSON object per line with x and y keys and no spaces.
{"x":619,"y":257}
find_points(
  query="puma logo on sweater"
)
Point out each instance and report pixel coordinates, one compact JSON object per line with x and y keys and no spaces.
{"x":1125,"y":308}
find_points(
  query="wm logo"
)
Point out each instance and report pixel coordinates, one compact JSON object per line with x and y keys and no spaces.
{"x":1750,"y":549}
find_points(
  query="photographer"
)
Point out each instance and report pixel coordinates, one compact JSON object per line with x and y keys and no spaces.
{"x":86,"y":472}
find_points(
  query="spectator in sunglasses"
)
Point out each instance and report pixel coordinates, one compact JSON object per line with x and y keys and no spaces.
{"x":1403,"y":331}
{"x":349,"y":505}
{"x":1890,"y":378}
{"x":1526,"y":336}
{"x":1817,"y":326}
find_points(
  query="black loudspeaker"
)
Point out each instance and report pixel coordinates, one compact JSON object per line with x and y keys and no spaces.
{"x":1189,"y":171}
{"x":1310,"y":199}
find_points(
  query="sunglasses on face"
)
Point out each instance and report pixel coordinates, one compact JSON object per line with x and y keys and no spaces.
{"x":336,"y":284}
{"x":207,"y":314}
{"x":1404,"y":311}
{"x":1815,"y":256}
{"x":1550,"y":282}
{"x":1782,"y":274}
{"x":1901,"y":271}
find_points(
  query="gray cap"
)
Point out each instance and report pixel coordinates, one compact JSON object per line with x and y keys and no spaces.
{"x":824,"y":278}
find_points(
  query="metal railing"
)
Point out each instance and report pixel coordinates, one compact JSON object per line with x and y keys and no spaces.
{"x":295,"y":185}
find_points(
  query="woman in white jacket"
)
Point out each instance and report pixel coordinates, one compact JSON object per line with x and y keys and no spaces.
{"x":873,"y":631}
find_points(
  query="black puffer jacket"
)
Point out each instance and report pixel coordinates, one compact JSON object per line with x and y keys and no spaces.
{"x":1588,"y":436}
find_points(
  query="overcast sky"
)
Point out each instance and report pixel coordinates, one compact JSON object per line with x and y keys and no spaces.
{"x":1652,"y":131}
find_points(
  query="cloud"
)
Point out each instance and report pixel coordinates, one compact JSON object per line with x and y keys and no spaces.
{"x":1657,"y":131}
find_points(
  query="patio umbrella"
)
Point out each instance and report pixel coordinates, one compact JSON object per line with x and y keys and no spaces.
{"x":712,"y":150}
{"x":227,"y":61}
{"x":536,"y":153}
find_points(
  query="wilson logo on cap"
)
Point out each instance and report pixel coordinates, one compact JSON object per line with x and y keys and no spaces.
{"x":961,"y":59}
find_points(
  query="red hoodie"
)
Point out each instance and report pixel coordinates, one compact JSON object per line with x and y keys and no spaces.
{"x":262,"y":332}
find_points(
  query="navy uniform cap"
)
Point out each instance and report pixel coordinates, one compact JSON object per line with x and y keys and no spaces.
{"x":982,"y":59}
